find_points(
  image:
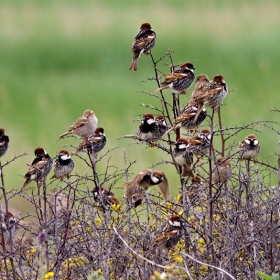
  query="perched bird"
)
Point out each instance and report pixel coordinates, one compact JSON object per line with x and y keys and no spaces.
{"x":210,"y":95}
{"x":8,"y":222}
{"x":93,"y":143}
{"x":63,"y":165}
{"x":186,"y":119}
{"x":104,"y":197}
{"x":151,"y":129}
{"x":169,"y":235}
{"x":200,"y":143}
{"x":202,"y":81}
{"x":249,"y":148}
{"x":193,"y":189}
{"x":183,"y":156}
{"x":143,"y":43}
{"x":222,"y":171}
{"x":4,"y":142}
{"x":179,"y":80}
{"x":135,"y":190}
{"x":83,"y":126}
{"x":39,"y":169}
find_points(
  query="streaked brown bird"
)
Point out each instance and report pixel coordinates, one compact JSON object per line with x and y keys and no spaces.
{"x":200,"y":143}
{"x":63,"y":165}
{"x":151,"y":129}
{"x":8,"y":222}
{"x":104,"y":197}
{"x":4,"y":142}
{"x":169,"y":235}
{"x":249,"y":148}
{"x":202,"y":81}
{"x":143,"y":43}
{"x":186,"y":119}
{"x":135,"y":190}
{"x":222,"y":171}
{"x":211,"y":95}
{"x":183,"y":156}
{"x":83,"y":126}
{"x":39,"y":169}
{"x":93,"y":143}
{"x":179,"y":80}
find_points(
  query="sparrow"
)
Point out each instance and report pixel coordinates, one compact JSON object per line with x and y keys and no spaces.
{"x":193,"y":189}
{"x":143,"y":42}
{"x":63,"y":165}
{"x":222,"y":171}
{"x":202,"y":81}
{"x":183,"y":156}
{"x":211,"y":95}
{"x":135,"y":190}
{"x":200,"y":143}
{"x":4,"y":142}
{"x":39,"y":169}
{"x":151,"y":129}
{"x":170,"y":234}
{"x":179,"y":80}
{"x":7,"y":223}
{"x":93,"y":143}
{"x":83,"y":126}
{"x":104,"y":197}
{"x":186,"y":119}
{"x":249,"y":148}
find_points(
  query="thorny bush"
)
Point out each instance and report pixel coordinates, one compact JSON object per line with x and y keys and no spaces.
{"x":231,"y":229}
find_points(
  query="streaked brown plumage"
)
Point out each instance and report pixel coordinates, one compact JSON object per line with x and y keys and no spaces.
{"x":135,"y":190}
{"x":83,"y":126}
{"x":143,"y":43}
{"x":39,"y":169}
{"x":4,"y":142}
{"x":104,"y":197}
{"x":200,"y":143}
{"x":63,"y":165}
{"x":222,"y":171}
{"x":169,"y":235}
{"x":183,"y":156}
{"x":151,"y":129}
{"x":249,"y":148}
{"x":210,"y":95}
{"x":93,"y":143}
{"x":179,"y":80}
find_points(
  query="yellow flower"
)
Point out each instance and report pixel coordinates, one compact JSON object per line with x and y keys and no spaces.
{"x":98,"y":221}
{"x":116,"y":207}
{"x":32,"y":251}
{"x":168,"y":205}
{"x":49,"y":275}
{"x":177,"y":198}
{"x":178,"y":258}
{"x":89,"y":229}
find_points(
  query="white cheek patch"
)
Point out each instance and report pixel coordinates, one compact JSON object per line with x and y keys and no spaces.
{"x":65,"y":157}
{"x":256,"y":142}
{"x":182,"y":146}
{"x":195,"y":109}
{"x":150,"y":121}
{"x":155,"y":179}
{"x":45,"y":152}
{"x":204,"y":110}
{"x":175,"y":223}
{"x":209,"y":136}
{"x":247,"y":141}
{"x":164,"y":123}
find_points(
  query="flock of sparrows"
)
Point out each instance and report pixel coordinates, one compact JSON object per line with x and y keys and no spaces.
{"x":152,"y":128}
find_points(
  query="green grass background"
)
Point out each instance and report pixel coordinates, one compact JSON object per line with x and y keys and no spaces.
{"x":58,"y":58}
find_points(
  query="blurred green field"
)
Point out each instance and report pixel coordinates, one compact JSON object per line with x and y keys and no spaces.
{"x":58,"y":58}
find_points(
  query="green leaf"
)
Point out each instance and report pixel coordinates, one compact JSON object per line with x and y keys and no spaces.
{"x":264,"y":276}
